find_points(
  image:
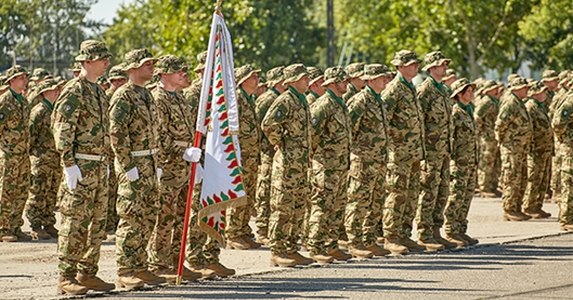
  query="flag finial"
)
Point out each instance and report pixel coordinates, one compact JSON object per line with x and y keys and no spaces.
{"x":218,"y":6}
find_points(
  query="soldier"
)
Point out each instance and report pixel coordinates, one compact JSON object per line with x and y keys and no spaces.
{"x":238,"y":229}
{"x":117,"y":78}
{"x":330,"y":144}
{"x":539,"y":158}
{"x":45,"y":172}
{"x":133,"y":131}
{"x":550,"y":78}
{"x":557,"y":101}
{"x":79,"y":124}
{"x":14,"y":151}
{"x":513,"y":133}
{"x":435,"y":175}
{"x":315,"y":88}
{"x":450,"y":77}
{"x":355,"y":84}
{"x":38,"y":75}
{"x":405,"y":151}
{"x":463,"y":165}
{"x":368,"y":158}
{"x":262,"y":201}
{"x":287,"y":126}
{"x":489,"y":166}
{"x":76,"y":68}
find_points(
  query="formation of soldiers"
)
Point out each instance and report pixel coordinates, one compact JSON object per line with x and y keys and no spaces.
{"x":349,"y":158}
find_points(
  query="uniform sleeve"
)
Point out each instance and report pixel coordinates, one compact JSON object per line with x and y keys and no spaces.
{"x":272,"y":123}
{"x":317,"y":118}
{"x":165,"y":140}
{"x":356,"y":113}
{"x":389,"y":104}
{"x":35,"y":123}
{"x":64,"y":124}
{"x":119,"y":115}
{"x":562,"y":118}
{"x":479,"y":113}
{"x":504,"y":118}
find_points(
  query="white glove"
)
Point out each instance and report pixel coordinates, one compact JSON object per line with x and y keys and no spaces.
{"x":132,"y":175}
{"x":198,"y":174}
{"x":192,"y":154}
{"x":159,"y":173}
{"x":73,"y":175}
{"x":108,"y":172}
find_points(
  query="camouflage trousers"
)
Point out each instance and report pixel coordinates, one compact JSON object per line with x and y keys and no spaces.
{"x":434,"y":186}
{"x":489,"y":166}
{"x":403,"y":190}
{"x":327,"y":196}
{"x":566,"y":201}
{"x":137,"y":210}
{"x":366,"y":195}
{"x":263,"y":194}
{"x":112,"y":218}
{"x":83,"y":213}
{"x":200,"y":249}
{"x":538,"y":176}
{"x":556,"y":161}
{"x":514,"y":176}
{"x":14,"y":183}
{"x":45,"y":178}
{"x":238,"y":217}
{"x":462,"y":189}
{"x":289,"y":194}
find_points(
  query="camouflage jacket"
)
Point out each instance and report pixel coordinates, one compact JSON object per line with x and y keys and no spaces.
{"x":249,"y":127}
{"x":437,"y":113}
{"x":311,"y":97}
{"x":542,"y":131}
{"x":513,"y":124}
{"x":350,"y":92}
{"x":34,"y":97}
{"x":109,"y":92}
{"x":563,"y":122}
{"x":558,"y":100}
{"x":486,"y":111}
{"x":41,"y":137}
{"x":548,"y":99}
{"x":287,"y":125}
{"x":332,"y":135}
{"x":14,"y":134}
{"x":369,"y":127}
{"x":133,"y":123}
{"x":193,"y":93}
{"x":405,"y":121}
{"x":79,"y":121}
{"x":261,"y":107}
{"x":465,"y":142}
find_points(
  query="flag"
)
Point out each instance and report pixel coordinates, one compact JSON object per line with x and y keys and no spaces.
{"x":218,"y":119}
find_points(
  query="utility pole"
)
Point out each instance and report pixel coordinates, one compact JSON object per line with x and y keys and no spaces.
{"x":330,"y":46}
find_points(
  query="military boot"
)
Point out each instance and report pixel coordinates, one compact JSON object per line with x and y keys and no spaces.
{"x":221,"y":270}
{"x":37,"y":233}
{"x":150,"y":278}
{"x":438,"y":237}
{"x":359,"y":251}
{"x":51,"y":230}
{"x":412,"y":246}
{"x":69,"y":285}
{"x":456,"y":239}
{"x":300,"y":260}
{"x":469,"y":239}
{"x":202,"y":270}
{"x":166,"y":274}
{"x":431,"y":244}
{"x":252,"y":244}
{"x":282,"y":260}
{"x":94,"y":283}
{"x":339,"y":255}
{"x":9,"y":238}
{"x":130,"y":281}
{"x":567,"y":227}
{"x":322,"y":258}
{"x":238,"y":243}
{"x":544,"y":214}
{"x":395,"y":246}
{"x":263,"y":240}
{"x":377,"y":250}
{"x":509,"y":215}
{"x":22,"y":237}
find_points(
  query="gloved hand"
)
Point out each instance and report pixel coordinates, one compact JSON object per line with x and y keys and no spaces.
{"x":73,"y":175}
{"x":159,"y":173}
{"x":192,"y":154}
{"x":198,"y":174}
{"x":132,"y":175}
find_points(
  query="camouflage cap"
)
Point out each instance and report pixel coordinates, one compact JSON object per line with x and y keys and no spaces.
{"x":517,"y":83}
{"x":549,"y":75}
{"x":262,"y":82}
{"x":488,"y":85}
{"x":93,"y":50}
{"x":459,"y":85}
{"x":479,"y":82}
{"x":405,"y":58}
{"x":3,"y":84}
{"x":294,"y":72}
{"x":510,"y":77}
{"x":40,"y":74}
{"x":102,"y":80}
{"x":315,"y":74}
{"x":47,"y":85}
{"x":334,"y":75}
{"x":434,"y":59}
{"x":116,"y":72}
{"x":76,"y":67}
{"x":136,"y":58}
{"x":374,"y":71}
{"x":564,"y":76}
{"x":274,"y":76}
{"x":168,"y":64}
{"x":201,"y":60}
{"x":355,"y":70}
{"x":14,"y":71}
{"x":244,"y":72}
{"x":449,"y":74}
{"x":535,"y":88}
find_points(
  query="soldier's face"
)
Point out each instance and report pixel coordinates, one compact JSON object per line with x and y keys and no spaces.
{"x":410,"y":70}
{"x":341,"y":86}
{"x":51,"y":95}
{"x":146,"y":70}
{"x":467,"y":95}
{"x":301,"y":85}
{"x":118,"y":82}
{"x":19,"y":83}
{"x":540,"y":96}
{"x":99,"y":67}
{"x":318,"y":88}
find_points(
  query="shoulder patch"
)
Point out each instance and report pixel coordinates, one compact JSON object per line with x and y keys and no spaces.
{"x":68,"y":106}
{"x":565,"y":112}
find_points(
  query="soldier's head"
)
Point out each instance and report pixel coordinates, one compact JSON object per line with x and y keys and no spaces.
{"x":407,"y":63}
{"x":187,"y":80}
{"x":275,"y":79}
{"x":17,"y":78}
{"x":489,"y":87}
{"x":49,"y":89}
{"x":94,"y":59}
{"x":40,"y":74}
{"x":76,"y":69}
{"x":171,"y":70}
{"x":355,"y":72}
{"x":519,"y":86}
{"x":537,"y":91}
{"x":377,"y":76}
{"x":247,"y":78}
{"x":296,"y":76}
{"x":463,"y":91}
{"x":139,"y":66}
{"x":564,"y":78}
{"x":436,"y":64}
{"x":316,"y":77}
{"x":117,"y":76}
{"x":336,"y":80}
{"x":551,"y":79}
{"x":450,"y":77}
{"x":201,"y":60}
{"x":512,"y":76}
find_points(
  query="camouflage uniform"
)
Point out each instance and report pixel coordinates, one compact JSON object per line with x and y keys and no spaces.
{"x":513,"y":132}
{"x":353,"y":70}
{"x":133,"y":131}
{"x":81,"y":136}
{"x":34,"y":97}
{"x":436,"y":108}
{"x":330,"y":162}
{"x":563,"y":126}
{"x":14,"y":162}
{"x":287,"y":126}
{"x":558,"y":99}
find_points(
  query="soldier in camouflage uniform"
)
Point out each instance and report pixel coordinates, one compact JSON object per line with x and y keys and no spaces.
{"x":463,"y":165}
{"x":434,"y":99}
{"x":45,"y":172}
{"x":485,"y":114}
{"x":238,"y":229}
{"x":368,"y":158}
{"x":355,"y":84}
{"x":14,"y":162}
{"x":315,"y":88}
{"x":82,"y":138}
{"x":557,"y":101}
{"x":550,"y":78}
{"x":287,"y":127}
{"x":117,"y":78}
{"x":450,"y":77}
{"x":539,"y":158}
{"x":405,"y":151}
{"x":513,"y":132}
{"x":331,"y":154}
{"x":133,"y":131}
{"x":262,"y":200}
{"x":38,"y":75}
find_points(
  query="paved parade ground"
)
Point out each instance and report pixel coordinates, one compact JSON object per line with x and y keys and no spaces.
{"x":525,"y":260}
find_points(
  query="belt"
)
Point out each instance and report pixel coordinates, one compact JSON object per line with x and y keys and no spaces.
{"x":184,"y":144}
{"x":90,"y":157}
{"x":144,"y":152}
